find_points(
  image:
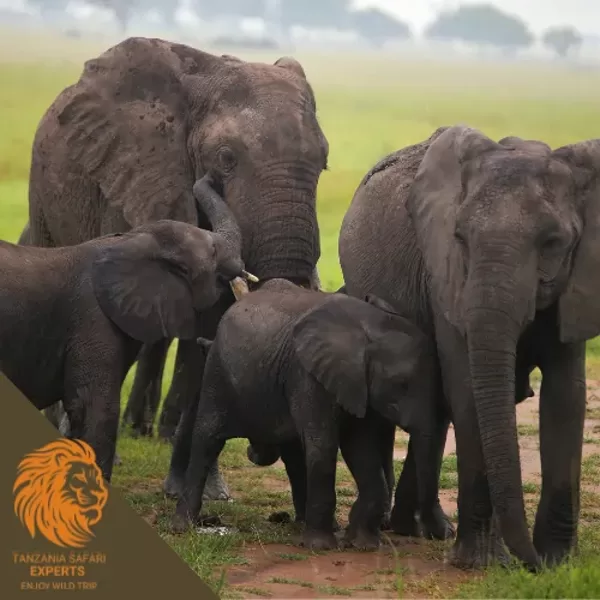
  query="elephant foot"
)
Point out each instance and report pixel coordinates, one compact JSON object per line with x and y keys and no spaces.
{"x":139,"y":430}
{"x":436,"y":525}
{"x":335,"y":526}
{"x":173,"y":485}
{"x":553,"y":552}
{"x":146,"y":430}
{"x":216,"y":488}
{"x":180,"y":524}
{"x":284,"y":517}
{"x":404,"y":522}
{"x":361,"y":539}
{"x":386,"y":522}
{"x":166,"y":433}
{"x":318,"y":540}
{"x":478,"y":553}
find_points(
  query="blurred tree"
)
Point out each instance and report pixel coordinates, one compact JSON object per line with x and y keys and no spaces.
{"x":481,"y":24}
{"x":211,"y":9}
{"x":165,"y":9}
{"x":121,"y":9}
{"x":378,"y":26}
{"x":315,"y":13}
{"x":49,"y":9}
{"x":562,"y":40}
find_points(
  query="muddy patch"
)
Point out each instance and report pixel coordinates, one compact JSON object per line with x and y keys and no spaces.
{"x":409,"y":568}
{"x":403,"y":567}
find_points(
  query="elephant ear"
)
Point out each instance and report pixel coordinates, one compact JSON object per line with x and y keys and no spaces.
{"x":579,"y":305}
{"x":125,"y":124}
{"x":291,"y":64}
{"x":143,"y":292}
{"x":433,"y":201}
{"x":331,"y":345}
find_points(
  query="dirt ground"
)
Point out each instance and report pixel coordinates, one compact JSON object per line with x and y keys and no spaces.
{"x":403,"y":567}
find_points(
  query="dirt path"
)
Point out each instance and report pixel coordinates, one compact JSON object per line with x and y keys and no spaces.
{"x":408,"y":568}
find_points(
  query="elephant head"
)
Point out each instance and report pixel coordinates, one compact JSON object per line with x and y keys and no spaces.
{"x":152,"y":281}
{"x":507,"y":229}
{"x":148,"y":118}
{"x":365,"y":354}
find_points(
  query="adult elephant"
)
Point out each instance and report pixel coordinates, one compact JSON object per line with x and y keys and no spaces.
{"x":494,"y":247}
{"x":124,"y":145}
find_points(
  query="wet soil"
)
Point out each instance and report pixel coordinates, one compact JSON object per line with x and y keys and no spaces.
{"x":403,"y":567}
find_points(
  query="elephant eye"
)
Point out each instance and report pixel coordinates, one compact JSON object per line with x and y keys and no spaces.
{"x":226,"y":159}
{"x":552,"y":243}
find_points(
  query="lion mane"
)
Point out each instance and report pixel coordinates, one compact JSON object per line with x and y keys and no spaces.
{"x":60,"y":493}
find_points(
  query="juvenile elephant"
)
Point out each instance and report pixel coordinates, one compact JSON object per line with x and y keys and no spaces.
{"x":493,"y":248}
{"x":311,"y":372}
{"x":73,"y":319}
{"x":123,"y":146}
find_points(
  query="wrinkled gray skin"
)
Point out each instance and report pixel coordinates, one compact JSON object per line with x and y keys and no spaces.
{"x":124,"y":145}
{"x":289,"y":362}
{"x":494,"y":248}
{"x":56,"y":413}
{"x":436,"y":525}
{"x":76,"y":317}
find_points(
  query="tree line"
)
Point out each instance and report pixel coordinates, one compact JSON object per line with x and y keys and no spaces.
{"x":479,"y":24}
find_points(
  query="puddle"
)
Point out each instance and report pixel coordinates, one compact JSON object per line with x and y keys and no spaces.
{"x":282,"y":571}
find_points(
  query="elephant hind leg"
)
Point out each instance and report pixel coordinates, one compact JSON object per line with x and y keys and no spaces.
{"x":363,"y":458}
{"x":144,"y":399}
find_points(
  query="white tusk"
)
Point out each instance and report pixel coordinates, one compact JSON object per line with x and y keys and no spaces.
{"x":250,"y":277}
{"x":239,"y":288}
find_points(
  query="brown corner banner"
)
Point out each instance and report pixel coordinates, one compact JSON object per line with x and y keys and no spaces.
{"x":64,"y":530}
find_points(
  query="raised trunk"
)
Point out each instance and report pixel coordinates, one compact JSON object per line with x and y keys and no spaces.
{"x":495,"y":316}
{"x":217,"y":212}
{"x":223,"y":222}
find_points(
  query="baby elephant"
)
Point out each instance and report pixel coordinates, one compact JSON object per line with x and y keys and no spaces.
{"x":311,"y":372}
{"x":73,"y":319}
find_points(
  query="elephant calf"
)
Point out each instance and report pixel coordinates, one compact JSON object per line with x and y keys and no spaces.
{"x":311,"y":372}
{"x":73,"y":319}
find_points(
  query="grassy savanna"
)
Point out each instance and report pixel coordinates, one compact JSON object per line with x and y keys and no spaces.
{"x":368,"y":107}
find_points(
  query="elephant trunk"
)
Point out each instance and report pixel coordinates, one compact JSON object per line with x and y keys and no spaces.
{"x":219,"y":215}
{"x":223,"y":223}
{"x":495,"y":316}
{"x":285,"y":244}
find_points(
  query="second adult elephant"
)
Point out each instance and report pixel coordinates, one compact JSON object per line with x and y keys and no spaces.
{"x":493,"y":247}
{"x":124,"y":145}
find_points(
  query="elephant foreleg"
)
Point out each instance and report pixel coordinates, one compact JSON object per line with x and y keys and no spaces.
{"x":562,"y":415}
{"x":145,"y":394}
{"x":185,"y":384}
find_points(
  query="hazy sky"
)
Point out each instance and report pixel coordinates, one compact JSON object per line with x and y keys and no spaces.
{"x":539,"y":14}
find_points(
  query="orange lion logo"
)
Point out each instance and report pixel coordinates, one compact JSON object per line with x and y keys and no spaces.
{"x":60,"y":493}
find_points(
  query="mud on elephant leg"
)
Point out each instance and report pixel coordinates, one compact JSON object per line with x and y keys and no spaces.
{"x":145,"y":394}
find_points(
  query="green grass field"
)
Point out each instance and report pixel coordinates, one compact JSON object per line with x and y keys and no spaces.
{"x":368,"y":106}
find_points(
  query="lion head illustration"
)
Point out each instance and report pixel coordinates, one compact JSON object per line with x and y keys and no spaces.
{"x":60,"y":493}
